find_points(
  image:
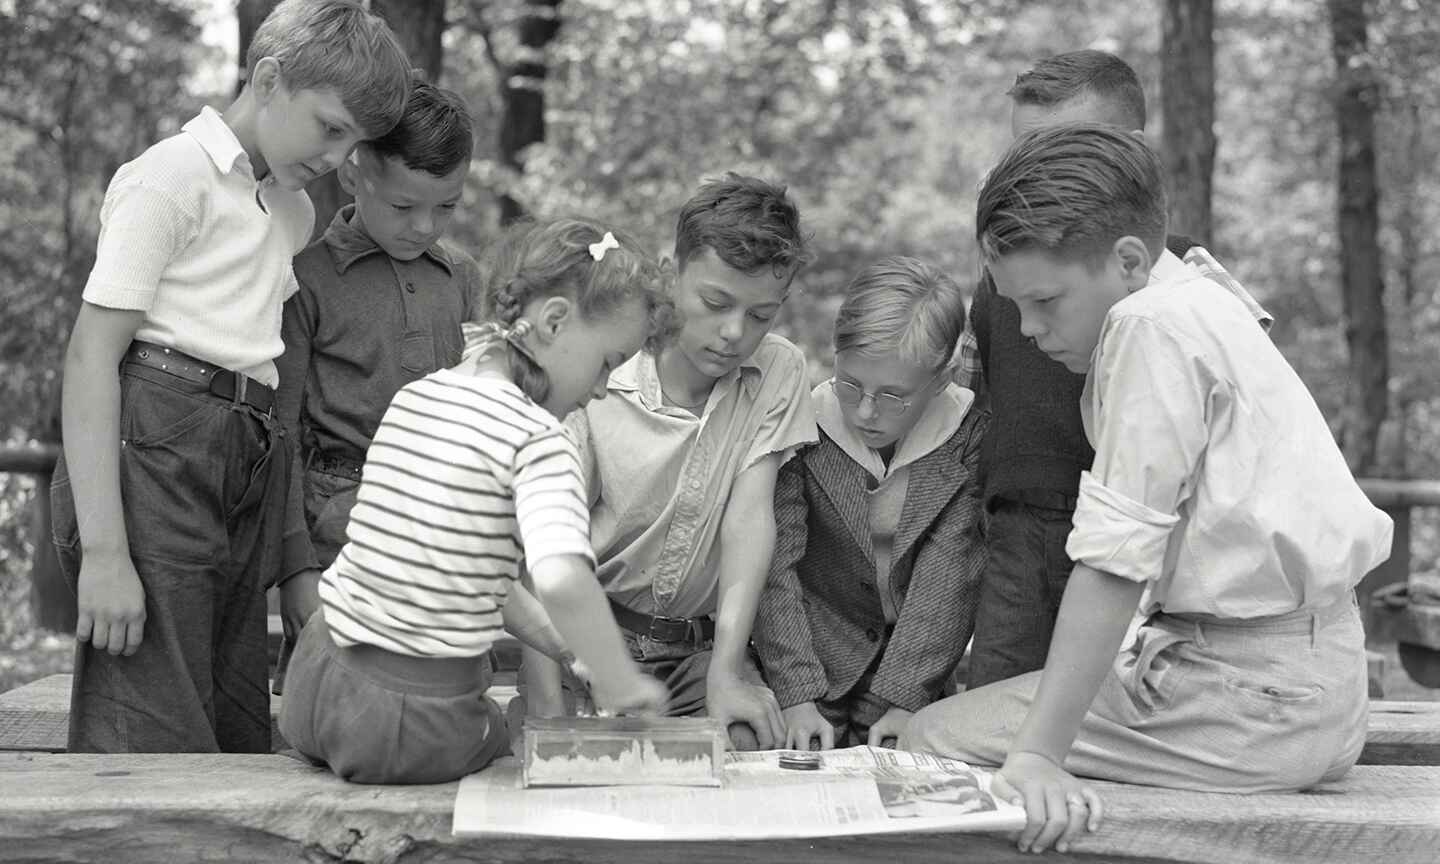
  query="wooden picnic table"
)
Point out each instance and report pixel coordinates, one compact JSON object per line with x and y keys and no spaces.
{"x":145,"y":808}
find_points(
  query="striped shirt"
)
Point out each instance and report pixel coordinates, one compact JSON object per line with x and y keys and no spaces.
{"x":465,"y":478}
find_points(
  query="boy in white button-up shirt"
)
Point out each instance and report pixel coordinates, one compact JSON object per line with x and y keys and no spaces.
{"x":1216,"y":482}
{"x":172,"y":448}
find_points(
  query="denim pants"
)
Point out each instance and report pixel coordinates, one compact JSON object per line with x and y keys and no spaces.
{"x":202,"y":485}
{"x":329,"y":498}
{"x":1214,"y":705}
{"x":1020,"y":591}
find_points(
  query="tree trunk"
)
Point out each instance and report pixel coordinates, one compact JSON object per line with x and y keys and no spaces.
{"x":248,"y":14}
{"x":1187,"y":83}
{"x":1362,"y":287}
{"x":522,"y":86}
{"x":419,"y":24}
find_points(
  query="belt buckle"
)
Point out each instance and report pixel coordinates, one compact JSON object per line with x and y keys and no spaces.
{"x":668,"y":622}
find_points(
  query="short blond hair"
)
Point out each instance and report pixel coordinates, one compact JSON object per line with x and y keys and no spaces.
{"x":905,"y":307}
{"x":337,"y":44}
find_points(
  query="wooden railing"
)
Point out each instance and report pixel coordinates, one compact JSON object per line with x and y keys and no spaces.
{"x":1395,"y":497}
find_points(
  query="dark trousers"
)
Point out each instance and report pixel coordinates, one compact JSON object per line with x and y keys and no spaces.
{"x":329,"y":498}
{"x":855,"y":712}
{"x":1020,"y":591}
{"x":202,"y":484}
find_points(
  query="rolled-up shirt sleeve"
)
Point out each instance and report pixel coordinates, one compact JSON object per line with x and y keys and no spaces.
{"x":1147,"y":407}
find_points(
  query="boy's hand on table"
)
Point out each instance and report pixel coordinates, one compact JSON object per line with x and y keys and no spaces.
{"x":299,"y":598}
{"x":111,"y":604}
{"x":731,"y":700}
{"x":1057,"y":805}
{"x":889,"y":727}
{"x":804,"y":723}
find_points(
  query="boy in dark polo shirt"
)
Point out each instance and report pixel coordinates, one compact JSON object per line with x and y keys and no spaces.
{"x":380,"y":304}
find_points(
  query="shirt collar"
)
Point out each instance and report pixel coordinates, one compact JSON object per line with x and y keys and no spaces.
{"x":348,"y":243}
{"x":936,"y":426}
{"x":219,"y":142}
{"x":640,"y":375}
{"x":1167,"y":268}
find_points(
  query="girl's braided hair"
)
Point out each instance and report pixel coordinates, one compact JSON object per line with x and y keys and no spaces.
{"x":535,"y":260}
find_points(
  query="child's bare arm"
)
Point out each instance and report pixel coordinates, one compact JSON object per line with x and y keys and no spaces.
{"x":299,"y":574}
{"x":1094,"y":615}
{"x":747,"y":542}
{"x":526,"y":620}
{"x":111,"y":599}
{"x":566,"y":585}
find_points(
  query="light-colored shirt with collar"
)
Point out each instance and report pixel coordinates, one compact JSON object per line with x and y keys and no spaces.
{"x":659,"y":478}
{"x":1216,"y":478}
{"x":969,"y":370}
{"x":890,"y":483}
{"x":188,"y":236}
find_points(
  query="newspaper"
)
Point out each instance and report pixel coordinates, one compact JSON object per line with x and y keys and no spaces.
{"x":860,"y":790}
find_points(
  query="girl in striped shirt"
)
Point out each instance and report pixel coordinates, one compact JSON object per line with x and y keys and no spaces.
{"x":470,"y":475}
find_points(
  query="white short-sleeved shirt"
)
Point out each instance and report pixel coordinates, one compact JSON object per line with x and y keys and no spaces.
{"x":1216,"y":477}
{"x":465,"y":477}
{"x":190,"y":238}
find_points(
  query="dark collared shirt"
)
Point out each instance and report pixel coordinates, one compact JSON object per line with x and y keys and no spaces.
{"x":361,"y":326}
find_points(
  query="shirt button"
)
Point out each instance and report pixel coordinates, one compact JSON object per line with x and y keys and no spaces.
{"x":410,"y":286}
{"x":871,"y":634}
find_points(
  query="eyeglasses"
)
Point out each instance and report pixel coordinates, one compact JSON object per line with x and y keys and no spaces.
{"x":886,"y":404}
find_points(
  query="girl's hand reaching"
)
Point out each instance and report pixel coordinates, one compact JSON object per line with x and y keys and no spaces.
{"x":636,"y":693}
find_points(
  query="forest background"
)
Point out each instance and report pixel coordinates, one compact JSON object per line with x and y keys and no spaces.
{"x":880,"y":116}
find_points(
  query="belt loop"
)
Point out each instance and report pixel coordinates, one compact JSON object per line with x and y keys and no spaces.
{"x":1199,"y":634}
{"x":240,"y":381}
{"x":1314,"y":629}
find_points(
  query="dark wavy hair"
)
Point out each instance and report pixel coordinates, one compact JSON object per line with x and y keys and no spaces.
{"x":434,"y":134}
{"x":1084,"y":73}
{"x":751,"y":224}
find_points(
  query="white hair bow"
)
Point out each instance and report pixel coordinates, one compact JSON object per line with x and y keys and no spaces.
{"x":597,"y":250}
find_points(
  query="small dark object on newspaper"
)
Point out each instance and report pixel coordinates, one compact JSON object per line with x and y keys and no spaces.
{"x":800,"y":761}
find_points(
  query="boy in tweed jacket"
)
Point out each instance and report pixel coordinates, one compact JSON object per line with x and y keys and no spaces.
{"x":872,"y":590}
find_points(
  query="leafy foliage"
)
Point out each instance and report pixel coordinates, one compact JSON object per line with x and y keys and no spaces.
{"x":881,"y":117}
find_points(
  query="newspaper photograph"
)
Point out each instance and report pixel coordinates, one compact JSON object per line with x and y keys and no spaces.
{"x":859,"y":790}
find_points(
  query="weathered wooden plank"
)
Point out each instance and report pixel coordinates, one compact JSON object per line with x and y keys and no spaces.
{"x":37,"y":715}
{"x":83,"y":808}
{"x":1403,"y":733}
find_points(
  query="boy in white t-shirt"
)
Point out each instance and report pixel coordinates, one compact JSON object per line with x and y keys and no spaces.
{"x":177,"y":463}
